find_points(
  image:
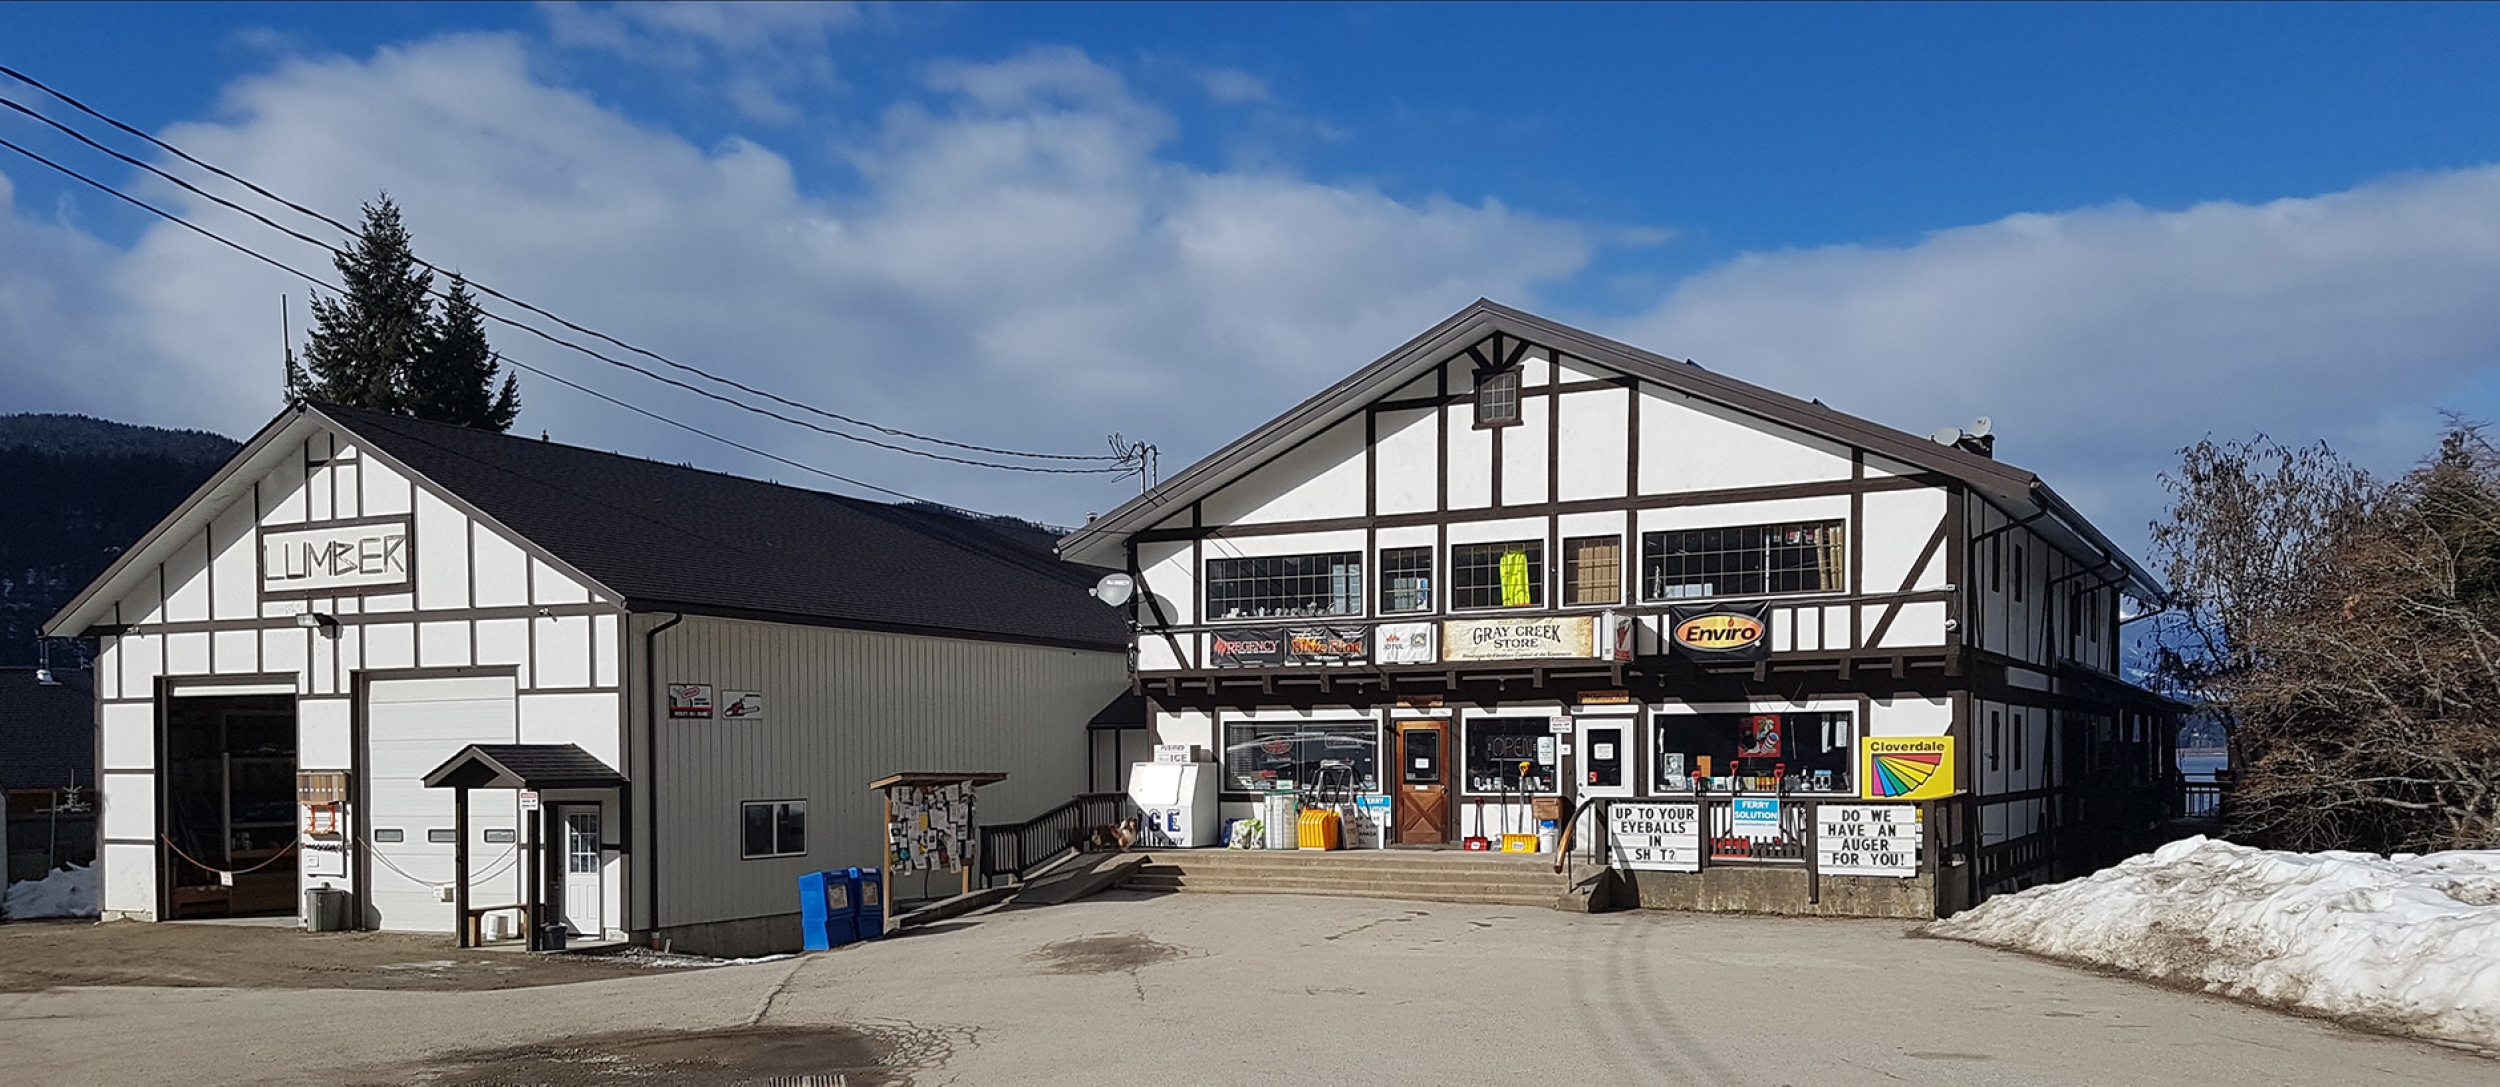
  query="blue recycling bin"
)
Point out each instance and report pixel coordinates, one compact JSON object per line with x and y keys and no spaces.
{"x":867,"y":899}
{"x":828,"y":909}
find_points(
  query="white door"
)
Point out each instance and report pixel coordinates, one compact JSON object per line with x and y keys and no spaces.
{"x":1605,"y":751}
{"x":585,"y":896}
{"x":411,"y":727}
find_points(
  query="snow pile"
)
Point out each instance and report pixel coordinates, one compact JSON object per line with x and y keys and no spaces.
{"x":67,"y":892}
{"x":2408,"y":944}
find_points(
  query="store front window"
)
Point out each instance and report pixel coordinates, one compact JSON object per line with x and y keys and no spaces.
{"x":1512,"y":755}
{"x":1755,"y":752}
{"x":1290,"y":756}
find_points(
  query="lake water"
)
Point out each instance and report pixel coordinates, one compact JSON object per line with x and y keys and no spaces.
{"x":2201,"y":767}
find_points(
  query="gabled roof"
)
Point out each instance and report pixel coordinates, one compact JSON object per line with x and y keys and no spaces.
{"x":523,"y":766}
{"x":2019,"y":493}
{"x":665,"y":537}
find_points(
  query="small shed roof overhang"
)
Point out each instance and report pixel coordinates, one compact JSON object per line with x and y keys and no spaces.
{"x":524,"y":766}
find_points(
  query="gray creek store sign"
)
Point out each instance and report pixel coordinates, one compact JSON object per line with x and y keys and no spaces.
{"x":339,"y":558}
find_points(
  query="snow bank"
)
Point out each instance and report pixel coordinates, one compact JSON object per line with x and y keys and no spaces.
{"x":67,"y":892}
{"x":2408,"y":944}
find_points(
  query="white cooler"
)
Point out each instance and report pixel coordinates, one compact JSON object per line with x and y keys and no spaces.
{"x":1175,"y":802}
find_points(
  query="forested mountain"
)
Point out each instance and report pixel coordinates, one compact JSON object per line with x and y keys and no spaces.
{"x":74,"y":491}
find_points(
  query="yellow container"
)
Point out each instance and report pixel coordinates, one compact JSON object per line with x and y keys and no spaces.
{"x":1519,"y":843}
{"x":1319,"y":828}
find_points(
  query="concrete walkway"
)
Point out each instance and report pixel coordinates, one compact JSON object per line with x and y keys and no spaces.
{"x":1288,"y":990}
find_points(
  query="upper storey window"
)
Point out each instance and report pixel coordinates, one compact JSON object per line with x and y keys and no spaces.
{"x":1497,"y":398}
{"x":1751,"y":560}
{"x":1498,"y":575}
{"x":1285,"y":586}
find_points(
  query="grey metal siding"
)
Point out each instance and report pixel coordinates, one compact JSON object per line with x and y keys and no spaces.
{"x":844,"y":707}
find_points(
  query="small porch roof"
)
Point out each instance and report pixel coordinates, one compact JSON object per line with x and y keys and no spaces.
{"x":524,"y":766}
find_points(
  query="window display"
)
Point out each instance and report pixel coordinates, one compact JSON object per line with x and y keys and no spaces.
{"x":1288,"y":756}
{"x":1755,"y":752}
{"x":1497,"y":748}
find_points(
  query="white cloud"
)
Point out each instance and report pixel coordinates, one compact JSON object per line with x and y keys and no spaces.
{"x":759,"y":54}
{"x":1022,"y":267}
{"x":1021,"y":260}
{"x":1232,"y":85}
{"x":2101,"y":340}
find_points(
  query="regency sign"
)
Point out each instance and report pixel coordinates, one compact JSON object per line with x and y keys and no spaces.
{"x":365,"y":556}
{"x":1261,"y":647}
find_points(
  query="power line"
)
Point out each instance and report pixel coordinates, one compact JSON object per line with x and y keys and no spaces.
{"x":1121,"y":469}
{"x":486,"y":290}
{"x":319,"y":282}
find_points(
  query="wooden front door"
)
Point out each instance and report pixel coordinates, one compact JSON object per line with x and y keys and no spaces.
{"x":1423,"y":794}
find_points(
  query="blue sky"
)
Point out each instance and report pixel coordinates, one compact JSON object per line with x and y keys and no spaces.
{"x":2112,"y":228}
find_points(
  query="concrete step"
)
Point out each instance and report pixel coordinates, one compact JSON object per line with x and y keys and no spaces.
{"x":1473,"y":897}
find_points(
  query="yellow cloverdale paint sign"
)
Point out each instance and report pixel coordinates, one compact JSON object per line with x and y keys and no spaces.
{"x":1905,"y":767}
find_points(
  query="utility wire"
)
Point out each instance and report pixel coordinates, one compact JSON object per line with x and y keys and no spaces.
{"x":482,"y":288}
{"x":319,"y":282}
{"x":532,"y":330}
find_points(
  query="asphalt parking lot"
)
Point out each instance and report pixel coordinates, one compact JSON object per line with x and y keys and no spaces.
{"x":1245,"y":989}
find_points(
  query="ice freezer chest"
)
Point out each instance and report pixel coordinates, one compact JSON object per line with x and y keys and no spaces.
{"x":1175,"y":803}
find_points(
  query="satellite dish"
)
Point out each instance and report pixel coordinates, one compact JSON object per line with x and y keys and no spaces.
{"x":1946,"y":435}
{"x":1114,"y":589}
{"x":1979,"y":427}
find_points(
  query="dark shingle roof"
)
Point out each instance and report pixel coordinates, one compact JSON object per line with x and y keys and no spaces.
{"x":669,"y":537}
{"x":47,"y":732}
{"x":525,"y":766}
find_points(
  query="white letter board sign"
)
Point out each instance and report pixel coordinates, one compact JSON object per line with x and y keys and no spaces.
{"x":1866,"y":839}
{"x":1656,"y":837}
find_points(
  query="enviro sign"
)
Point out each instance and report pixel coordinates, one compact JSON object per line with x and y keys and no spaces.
{"x":1905,"y":767}
{"x":1719,"y":632}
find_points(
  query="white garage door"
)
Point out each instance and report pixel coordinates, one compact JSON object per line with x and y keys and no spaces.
{"x":411,"y":727}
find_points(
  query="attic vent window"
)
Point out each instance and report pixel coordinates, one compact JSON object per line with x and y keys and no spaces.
{"x":1497,"y":398}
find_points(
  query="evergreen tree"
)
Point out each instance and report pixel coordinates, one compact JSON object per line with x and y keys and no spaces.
{"x":383,"y":347}
{"x":453,"y":380}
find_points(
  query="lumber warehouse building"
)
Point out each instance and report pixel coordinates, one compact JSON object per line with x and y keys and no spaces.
{"x":387,"y":656}
{"x":1513,"y":565}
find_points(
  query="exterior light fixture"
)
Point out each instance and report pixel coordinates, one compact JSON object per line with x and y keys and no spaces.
{"x":324,"y":622}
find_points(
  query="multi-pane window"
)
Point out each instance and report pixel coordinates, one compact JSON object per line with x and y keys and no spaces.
{"x":773,"y":828}
{"x":1290,"y":757}
{"x":1812,"y":750}
{"x":1285,"y":586}
{"x":1752,"y":560}
{"x":1511,"y":755}
{"x":1405,"y":579}
{"x":1593,"y":570}
{"x":1498,"y":575}
{"x":1497,"y":398}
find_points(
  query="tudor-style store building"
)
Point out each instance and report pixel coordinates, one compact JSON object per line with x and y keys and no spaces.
{"x":1512,"y":564}
{"x":679,"y":682}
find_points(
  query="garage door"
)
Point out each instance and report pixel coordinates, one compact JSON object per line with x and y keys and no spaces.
{"x":411,"y":727}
